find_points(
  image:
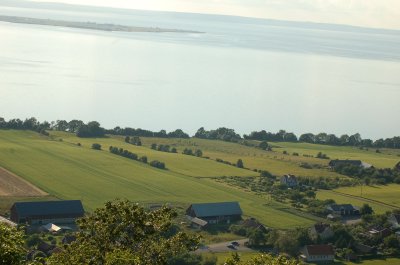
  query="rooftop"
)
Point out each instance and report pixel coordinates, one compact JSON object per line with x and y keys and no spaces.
{"x":320,"y":250}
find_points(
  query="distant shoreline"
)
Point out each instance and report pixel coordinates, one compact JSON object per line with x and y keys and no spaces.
{"x":89,"y":25}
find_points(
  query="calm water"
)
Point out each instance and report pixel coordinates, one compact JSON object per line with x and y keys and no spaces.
{"x":242,"y":73}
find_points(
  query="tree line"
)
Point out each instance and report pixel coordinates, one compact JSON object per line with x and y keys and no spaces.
{"x":93,"y":129}
{"x":128,"y":154}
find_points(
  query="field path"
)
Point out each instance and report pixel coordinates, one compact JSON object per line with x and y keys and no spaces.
{"x":13,"y":185}
{"x":363,"y":199}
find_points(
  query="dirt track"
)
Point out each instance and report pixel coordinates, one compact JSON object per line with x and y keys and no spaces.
{"x":13,"y":185}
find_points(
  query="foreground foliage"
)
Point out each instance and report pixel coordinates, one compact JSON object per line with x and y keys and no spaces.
{"x":11,"y":245}
{"x":125,"y":233}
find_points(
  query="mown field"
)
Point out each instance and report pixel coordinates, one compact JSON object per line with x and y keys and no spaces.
{"x":68,"y":171}
{"x":60,"y":167}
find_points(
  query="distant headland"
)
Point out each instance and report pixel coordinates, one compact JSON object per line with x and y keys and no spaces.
{"x":90,"y":25}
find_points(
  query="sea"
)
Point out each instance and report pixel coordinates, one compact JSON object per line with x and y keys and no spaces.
{"x":242,"y":73}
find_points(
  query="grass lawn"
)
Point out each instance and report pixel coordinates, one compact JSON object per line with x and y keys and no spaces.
{"x":68,"y":171}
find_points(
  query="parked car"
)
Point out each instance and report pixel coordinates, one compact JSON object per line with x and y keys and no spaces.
{"x":235,"y":243}
{"x":231,"y":246}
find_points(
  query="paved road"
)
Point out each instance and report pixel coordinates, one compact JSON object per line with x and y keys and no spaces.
{"x":223,"y":247}
{"x":4,"y":220}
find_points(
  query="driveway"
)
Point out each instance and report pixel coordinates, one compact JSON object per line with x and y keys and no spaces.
{"x":223,"y":247}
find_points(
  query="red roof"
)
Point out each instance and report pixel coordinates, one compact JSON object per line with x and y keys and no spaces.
{"x":320,"y":250}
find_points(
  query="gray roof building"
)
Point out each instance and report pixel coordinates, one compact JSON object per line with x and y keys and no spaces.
{"x":47,"y":212}
{"x":215,"y":212}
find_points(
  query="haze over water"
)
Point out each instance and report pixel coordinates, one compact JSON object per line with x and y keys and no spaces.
{"x":242,"y":73}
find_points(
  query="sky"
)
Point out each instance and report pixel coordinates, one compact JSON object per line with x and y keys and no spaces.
{"x":365,"y":13}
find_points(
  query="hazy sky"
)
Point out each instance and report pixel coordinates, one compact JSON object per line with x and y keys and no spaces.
{"x":367,"y":13}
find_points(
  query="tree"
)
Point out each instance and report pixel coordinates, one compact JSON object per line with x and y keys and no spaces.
{"x":12,"y":250}
{"x":198,"y":153}
{"x":256,"y":237}
{"x":96,"y":146}
{"x":263,"y":145}
{"x":123,"y":232}
{"x":239,"y":163}
{"x":127,"y":139}
{"x":366,"y":209}
{"x":154,"y":146}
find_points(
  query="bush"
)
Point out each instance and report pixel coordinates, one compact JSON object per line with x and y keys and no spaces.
{"x":143,"y":159}
{"x":96,"y":146}
{"x":157,"y":164}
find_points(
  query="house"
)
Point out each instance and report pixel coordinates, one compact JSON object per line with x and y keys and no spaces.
{"x":254,"y":224}
{"x":358,"y":163}
{"x":321,"y":230}
{"x":343,"y":209}
{"x":59,"y":212}
{"x":319,"y":253}
{"x":394,"y":220}
{"x":214,"y":213}
{"x":289,"y":180}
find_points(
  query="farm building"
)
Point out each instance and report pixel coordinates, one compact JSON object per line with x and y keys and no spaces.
{"x":318,"y":253}
{"x":343,"y":210}
{"x":198,"y":223}
{"x":289,"y":180}
{"x":59,"y":212}
{"x":357,"y":163}
{"x":214,"y":213}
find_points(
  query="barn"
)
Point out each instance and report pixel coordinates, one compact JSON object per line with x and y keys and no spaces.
{"x":216,"y":212}
{"x":44,"y":212}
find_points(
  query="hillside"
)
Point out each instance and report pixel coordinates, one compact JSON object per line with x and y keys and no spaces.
{"x":58,"y":166}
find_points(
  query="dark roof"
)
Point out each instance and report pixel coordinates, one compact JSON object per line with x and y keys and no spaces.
{"x":320,"y":250}
{"x":45,"y":208}
{"x":216,"y":209}
{"x":346,"y":207}
{"x":363,"y":248}
{"x":336,"y":162}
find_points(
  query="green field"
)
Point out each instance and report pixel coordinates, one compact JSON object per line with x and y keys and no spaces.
{"x":67,"y":171}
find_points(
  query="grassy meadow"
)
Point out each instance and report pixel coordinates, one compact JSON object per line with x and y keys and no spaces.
{"x":68,"y":171}
{"x":57,"y":165}
{"x":380,"y":198}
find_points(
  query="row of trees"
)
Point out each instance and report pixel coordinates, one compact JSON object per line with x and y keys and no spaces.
{"x":163,"y":148}
{"x":178,"y":133}
{"x":93,"y":129}
{"x":371,"y":175}
{"x":324,"y":138}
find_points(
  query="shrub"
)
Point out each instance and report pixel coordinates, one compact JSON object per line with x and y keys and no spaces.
{"x":157,"y":164}
{"x":143,"y":159}
{"x":96,"y":146}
